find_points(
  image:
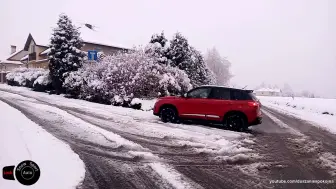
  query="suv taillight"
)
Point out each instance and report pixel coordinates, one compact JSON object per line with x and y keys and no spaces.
{"x":253,"y":104}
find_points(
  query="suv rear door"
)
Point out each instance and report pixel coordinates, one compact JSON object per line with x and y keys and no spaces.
{"x":218,"y":104}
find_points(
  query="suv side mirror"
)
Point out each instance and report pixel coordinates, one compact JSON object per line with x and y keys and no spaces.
{"x":185,"y":95}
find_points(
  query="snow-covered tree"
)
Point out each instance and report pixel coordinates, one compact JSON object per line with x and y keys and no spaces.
{"x":158,"y":48}
{"x":65,"y":54}
{"x":159,"y":38}
{"x":196,"y":69}
{"x":179,"y":50}
{"x":219,"y":66}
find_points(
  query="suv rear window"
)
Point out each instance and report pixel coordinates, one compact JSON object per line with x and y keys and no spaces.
{"x":220,"y":93}
{"x":253,"y":96}
{"x":240,"y":95}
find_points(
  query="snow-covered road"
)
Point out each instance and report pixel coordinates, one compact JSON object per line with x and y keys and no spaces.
{"x":125,"y":148}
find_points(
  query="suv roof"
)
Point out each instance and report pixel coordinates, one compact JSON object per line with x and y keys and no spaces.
{"x":230,"y":88}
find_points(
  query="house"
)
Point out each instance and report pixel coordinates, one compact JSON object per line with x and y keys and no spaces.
{"x":267,"y":92}
{"x":12,"y":61}
{"x":35,"y":51}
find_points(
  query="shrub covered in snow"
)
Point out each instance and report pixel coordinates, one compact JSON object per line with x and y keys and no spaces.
{"x":43,"y":83}
{"x":87,"y":83}
{"x":138,"y":74}
{"x":136,"y":103}
{"x":25,"y":76}
{"x":120,"y":78}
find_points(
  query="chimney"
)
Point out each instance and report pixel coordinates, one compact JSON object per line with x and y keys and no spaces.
{"x":13,"y":49}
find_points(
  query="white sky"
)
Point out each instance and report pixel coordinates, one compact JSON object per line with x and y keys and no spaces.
{"x":271,"y":41}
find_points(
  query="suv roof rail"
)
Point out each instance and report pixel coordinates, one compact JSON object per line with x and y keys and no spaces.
{"x":247,"y":90}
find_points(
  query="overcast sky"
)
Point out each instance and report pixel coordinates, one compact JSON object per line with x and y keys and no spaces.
{"x":271,"y":41}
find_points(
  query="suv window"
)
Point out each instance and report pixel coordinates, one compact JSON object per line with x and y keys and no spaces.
{"x":199,"y":93}
{"x":220,"y":93}
{"x":240,"y":95}
{"x":253,"y":96}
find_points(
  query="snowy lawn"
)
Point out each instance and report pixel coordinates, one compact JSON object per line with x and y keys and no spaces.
{"x":310,"y":109}
{"x":21,"y":139}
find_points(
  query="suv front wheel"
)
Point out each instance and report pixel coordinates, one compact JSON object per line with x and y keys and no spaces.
{"x":169,"y":114}
{"x":235,"y":122}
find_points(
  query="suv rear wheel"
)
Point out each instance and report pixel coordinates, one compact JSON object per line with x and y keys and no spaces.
{"x":169,"y":114}
{"x":235,"y":122}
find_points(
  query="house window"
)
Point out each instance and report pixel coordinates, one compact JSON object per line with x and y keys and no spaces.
{"x":32,"y":48}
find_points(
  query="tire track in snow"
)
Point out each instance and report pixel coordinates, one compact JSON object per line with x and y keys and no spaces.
{"x":316,"y":142}
{"x":281,"y":124}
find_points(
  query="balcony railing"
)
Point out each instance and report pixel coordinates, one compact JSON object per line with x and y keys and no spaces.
{"x":32,"y":56}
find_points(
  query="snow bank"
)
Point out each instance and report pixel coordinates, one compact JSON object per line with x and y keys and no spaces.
{"x":146,"y":105}
{"x":21,"y":139}
{"x":312,"y":105}
{"x":309,"y":109}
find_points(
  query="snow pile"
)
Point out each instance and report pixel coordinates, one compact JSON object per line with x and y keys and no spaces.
{"x":328,"y":160}
{"x":21,"y":139}
{"x":320,"y":112}
{"x":128,"y":75}
{"x":147,"y":105}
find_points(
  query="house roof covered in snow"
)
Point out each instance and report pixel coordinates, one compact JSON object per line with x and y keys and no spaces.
{"x":88,"y":35}
{"x":10,"y":62}
{"x":12,"y":55}
{"x":268,"y":90}
{"x":98,"y":37}
{"x":24,"y":58}
{"x":45,"y":52}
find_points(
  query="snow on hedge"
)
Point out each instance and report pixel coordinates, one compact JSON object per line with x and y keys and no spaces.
{"x":25,"y":76}
{"x":43,"y":79}
{"x":127,"y":75}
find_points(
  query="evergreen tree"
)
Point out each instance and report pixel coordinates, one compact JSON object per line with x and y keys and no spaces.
{"x":179,"y":50}
{"x":157,"y":48}
{"x":196,"y":69}
{"x":65,"y":54}
{"x":159,"y":38}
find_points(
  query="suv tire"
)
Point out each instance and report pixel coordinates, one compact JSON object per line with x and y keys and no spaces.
{"x":169,"y":114}
{"x":235,"y":122}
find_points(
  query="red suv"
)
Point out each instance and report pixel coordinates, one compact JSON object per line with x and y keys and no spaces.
{"x":234,"y":108}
